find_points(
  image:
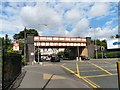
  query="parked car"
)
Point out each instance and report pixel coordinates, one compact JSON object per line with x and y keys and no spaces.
{"x":55,"y":58}
{"x":84,"y":58}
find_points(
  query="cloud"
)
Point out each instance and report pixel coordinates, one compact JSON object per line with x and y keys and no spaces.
{"x":10,"y":27}
{"x":80,"y":28}
{"x":109,"y":22}
{"x":35,"y":16}
{"x":2,"y":35}
{"x":60,"y":0}
{"x":62,"y":18}
{"x":99,"y":9}
{"x":74,"y":15}
{"x":62,"y":32}
{"x":102,"y":33}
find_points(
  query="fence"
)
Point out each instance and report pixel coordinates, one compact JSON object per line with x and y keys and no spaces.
{"x":0,"y":63}
{"x":11,"y":69}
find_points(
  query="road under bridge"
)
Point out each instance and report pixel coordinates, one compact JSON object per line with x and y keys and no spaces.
{"x":80,"y":46}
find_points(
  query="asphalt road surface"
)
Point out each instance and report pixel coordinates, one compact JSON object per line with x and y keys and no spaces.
{"x":90,"y":74}
{"x":100,"y":73}
{"x":50,"y":75}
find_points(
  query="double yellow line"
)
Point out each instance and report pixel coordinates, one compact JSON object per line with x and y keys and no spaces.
{"x":83,"y":78}
{"x":94,"y":85}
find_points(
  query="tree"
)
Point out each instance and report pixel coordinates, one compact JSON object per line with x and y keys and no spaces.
{"x":16,"y":36}
{"x":112,"y":37}
{"x":104,"y":43}
{"x":98,"y":42}
{"x":7,"y":42}
{"x":117,"y":36}
{"x":21,"y":34}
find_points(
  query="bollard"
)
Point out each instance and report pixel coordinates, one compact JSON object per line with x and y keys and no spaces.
{"x":118,"y":71}
{"x":80,"y":58}
{"x":77,"y":58}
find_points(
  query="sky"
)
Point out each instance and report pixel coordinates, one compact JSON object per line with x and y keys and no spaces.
{"x":98,"y":20}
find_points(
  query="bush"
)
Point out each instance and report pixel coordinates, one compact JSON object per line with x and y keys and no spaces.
{"x":23,"y":60}
{"x":109,"y":54}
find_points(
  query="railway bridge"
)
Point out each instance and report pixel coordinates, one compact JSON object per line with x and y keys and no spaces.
{"x":78,"y":45}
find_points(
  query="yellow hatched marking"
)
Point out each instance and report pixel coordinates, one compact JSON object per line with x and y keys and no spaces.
{"x":68,"y":69}
{"x":86,"y":80}
{"x":98,"y":75}
{"x":90,"y":70}
{"x":100,"y":68}
{"x":93,"y":83}
{"x":89,"y":82}
{"x":95,"y":70}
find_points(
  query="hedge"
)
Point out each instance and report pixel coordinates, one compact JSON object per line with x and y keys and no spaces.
{"x":109,"y":54}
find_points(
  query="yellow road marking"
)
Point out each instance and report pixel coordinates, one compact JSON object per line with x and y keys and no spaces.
{"x":87,"y":81}
{"x":89,"y":70}
{"x":103,"y":75}
{"x":93,"y":83}
{"x":68,"y":69}
{"x":95,"y":70}
{"x":109,"y":66}
{"x":100,"y":68}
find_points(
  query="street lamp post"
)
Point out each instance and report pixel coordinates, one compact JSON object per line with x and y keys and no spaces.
{"x":78,"y":53}
{"x":25,"y":45}
{"x":95,"y":46}
{"x":38,"y":54}
{"x":39,"y":47}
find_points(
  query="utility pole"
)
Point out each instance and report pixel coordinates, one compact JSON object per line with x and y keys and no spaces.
{"x":95,"y":45}
{"x":25,"y":46}
{"x":78,"y":53}
{"x":38,"y":54}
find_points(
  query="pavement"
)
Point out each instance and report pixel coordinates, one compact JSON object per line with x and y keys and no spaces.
{"x":48,"y":75}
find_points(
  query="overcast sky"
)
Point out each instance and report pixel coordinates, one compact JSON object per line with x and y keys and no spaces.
{"x":62,"y":18}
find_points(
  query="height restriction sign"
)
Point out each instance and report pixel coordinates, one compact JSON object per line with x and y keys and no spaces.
{"x":16,"y":46}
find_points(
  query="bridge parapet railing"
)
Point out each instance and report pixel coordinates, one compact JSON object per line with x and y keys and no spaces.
{"x":59,"y":39}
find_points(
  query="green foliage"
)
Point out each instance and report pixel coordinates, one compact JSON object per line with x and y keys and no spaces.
{"x":61,"y":53}
{"x":98,"y":42}
{"x":21,"y":34}
{"x":16,"y":36}
{"x":10,"y":50}
{"x":115,"y":36}
{"x":101,"y":43}
{"x":67,"y":52}
{"x":23,"y":60}
{"x":109,"y":54}
{"x":6,"y":42}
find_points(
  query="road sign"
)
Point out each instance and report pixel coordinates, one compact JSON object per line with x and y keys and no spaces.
{"x":102,"y":48}
{"x":16,"y":46}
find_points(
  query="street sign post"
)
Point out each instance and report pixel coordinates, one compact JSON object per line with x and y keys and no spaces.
{"x":102,"y":50}
{"x":118,"y":71}
{"x":16,"y":46}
